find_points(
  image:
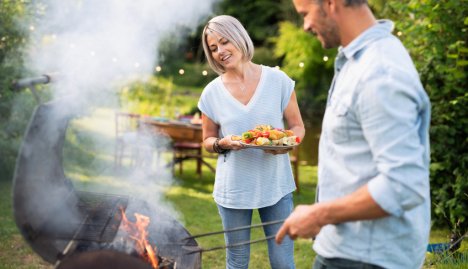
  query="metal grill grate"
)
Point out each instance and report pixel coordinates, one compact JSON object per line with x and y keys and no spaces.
{"x":101,"y":217}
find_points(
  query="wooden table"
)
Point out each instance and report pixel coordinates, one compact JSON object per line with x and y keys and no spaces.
{"x":181,"y":133}
{"x":178,"y":131}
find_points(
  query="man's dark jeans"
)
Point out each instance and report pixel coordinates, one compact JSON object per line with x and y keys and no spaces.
{"x":339,"y":263}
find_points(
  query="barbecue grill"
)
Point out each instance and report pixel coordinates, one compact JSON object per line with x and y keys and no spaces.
{"x":58,"y":220}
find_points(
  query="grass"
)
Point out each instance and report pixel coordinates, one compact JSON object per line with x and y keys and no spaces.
{"x":14,"y":251}
{"x":193,"y":198}
{"x":88,"y":156}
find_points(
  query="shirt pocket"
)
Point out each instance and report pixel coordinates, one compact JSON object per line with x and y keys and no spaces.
{"x":339,"y":123}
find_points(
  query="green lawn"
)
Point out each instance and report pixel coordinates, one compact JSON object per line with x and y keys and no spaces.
{"x":89,"y":163}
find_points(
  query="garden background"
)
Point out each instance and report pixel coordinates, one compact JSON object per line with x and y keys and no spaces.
{"x":434,"y":32}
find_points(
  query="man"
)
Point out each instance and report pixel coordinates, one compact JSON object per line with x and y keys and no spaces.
{"x":373,"y":202}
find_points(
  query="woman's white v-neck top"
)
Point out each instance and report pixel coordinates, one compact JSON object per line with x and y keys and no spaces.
{"x":250,"y":178}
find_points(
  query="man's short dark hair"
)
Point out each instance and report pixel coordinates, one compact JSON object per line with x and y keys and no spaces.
{"x":349,"y":3}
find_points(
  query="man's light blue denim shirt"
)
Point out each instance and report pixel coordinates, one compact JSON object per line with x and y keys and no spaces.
{"x":375,"y":132}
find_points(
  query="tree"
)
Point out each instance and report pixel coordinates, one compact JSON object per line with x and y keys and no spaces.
{"x":260,"y":18}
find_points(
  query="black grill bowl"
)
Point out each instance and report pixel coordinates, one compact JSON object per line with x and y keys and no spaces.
{"x":51,"y":214}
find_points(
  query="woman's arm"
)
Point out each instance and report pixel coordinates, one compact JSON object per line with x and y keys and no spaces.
{"x":293,"y":117}
{"x":210,"y":134}
{"x":294,"y":122}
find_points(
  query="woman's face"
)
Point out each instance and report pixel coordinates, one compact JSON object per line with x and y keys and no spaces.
{"x":223,"y":51}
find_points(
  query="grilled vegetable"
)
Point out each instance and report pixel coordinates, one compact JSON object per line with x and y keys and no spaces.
{"x":262,"y":141}
{"x":267,"y":135}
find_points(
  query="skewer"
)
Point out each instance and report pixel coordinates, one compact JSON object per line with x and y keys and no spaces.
{"x":235,"y":229}
{"x":196,"y":249}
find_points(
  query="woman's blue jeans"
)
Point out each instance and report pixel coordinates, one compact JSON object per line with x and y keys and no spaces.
{"x":281,"y":256}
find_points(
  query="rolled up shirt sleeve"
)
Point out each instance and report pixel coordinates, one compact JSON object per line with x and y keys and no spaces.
{"x":392,"y":108}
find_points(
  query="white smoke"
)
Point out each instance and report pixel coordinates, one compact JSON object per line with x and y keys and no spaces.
{"x":94,"y":44}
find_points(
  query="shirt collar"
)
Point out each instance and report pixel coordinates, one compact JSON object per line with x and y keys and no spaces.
{"x":380,"y":29}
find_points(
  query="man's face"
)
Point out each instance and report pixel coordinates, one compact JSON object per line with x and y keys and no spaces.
{"x":318,"y":22}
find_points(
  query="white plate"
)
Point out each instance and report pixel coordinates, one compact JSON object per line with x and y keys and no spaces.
{"x":267,"y":146}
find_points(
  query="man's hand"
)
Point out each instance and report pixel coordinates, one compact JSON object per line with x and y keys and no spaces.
{"x":305,"y":221}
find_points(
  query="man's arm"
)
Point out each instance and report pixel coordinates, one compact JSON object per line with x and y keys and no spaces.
{"x":307,"y":220}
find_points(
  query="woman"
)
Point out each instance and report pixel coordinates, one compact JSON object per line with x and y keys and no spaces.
{"x":244,"y":95}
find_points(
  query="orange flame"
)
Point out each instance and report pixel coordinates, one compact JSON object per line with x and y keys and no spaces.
{"x":138,"y":231}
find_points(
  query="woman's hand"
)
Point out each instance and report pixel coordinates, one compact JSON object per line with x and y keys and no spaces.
{"x":231,"y":142}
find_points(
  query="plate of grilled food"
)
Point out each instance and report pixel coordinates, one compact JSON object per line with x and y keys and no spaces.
{"x":267,"y":137}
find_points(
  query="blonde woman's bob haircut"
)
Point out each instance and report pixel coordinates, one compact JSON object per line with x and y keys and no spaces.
{"x":230,"y":28}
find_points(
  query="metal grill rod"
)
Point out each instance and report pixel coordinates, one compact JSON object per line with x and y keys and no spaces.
{"x":195,"y":249}
{"x":71,"y":244}
{"x":235,"y":229}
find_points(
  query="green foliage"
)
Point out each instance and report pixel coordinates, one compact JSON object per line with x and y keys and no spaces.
{"x":158,"y":96}
{"x":176,"y":55}
{"x":145,"y":97}
{"x":259,"y":17}
{"x":15,"y":107}
{"x":193,"y":75}
{"x":12,"y":40}
{"x":264,"y":56}
{"x":12,"y":127}
{"x":435,"y":33}
{"x":313,"y":78}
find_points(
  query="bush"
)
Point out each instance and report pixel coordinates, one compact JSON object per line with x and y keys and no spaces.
{"x":265,"y":56}
{"x":309,"y":64}
{"x":193,"y":74}
{"x":158,"y":96}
